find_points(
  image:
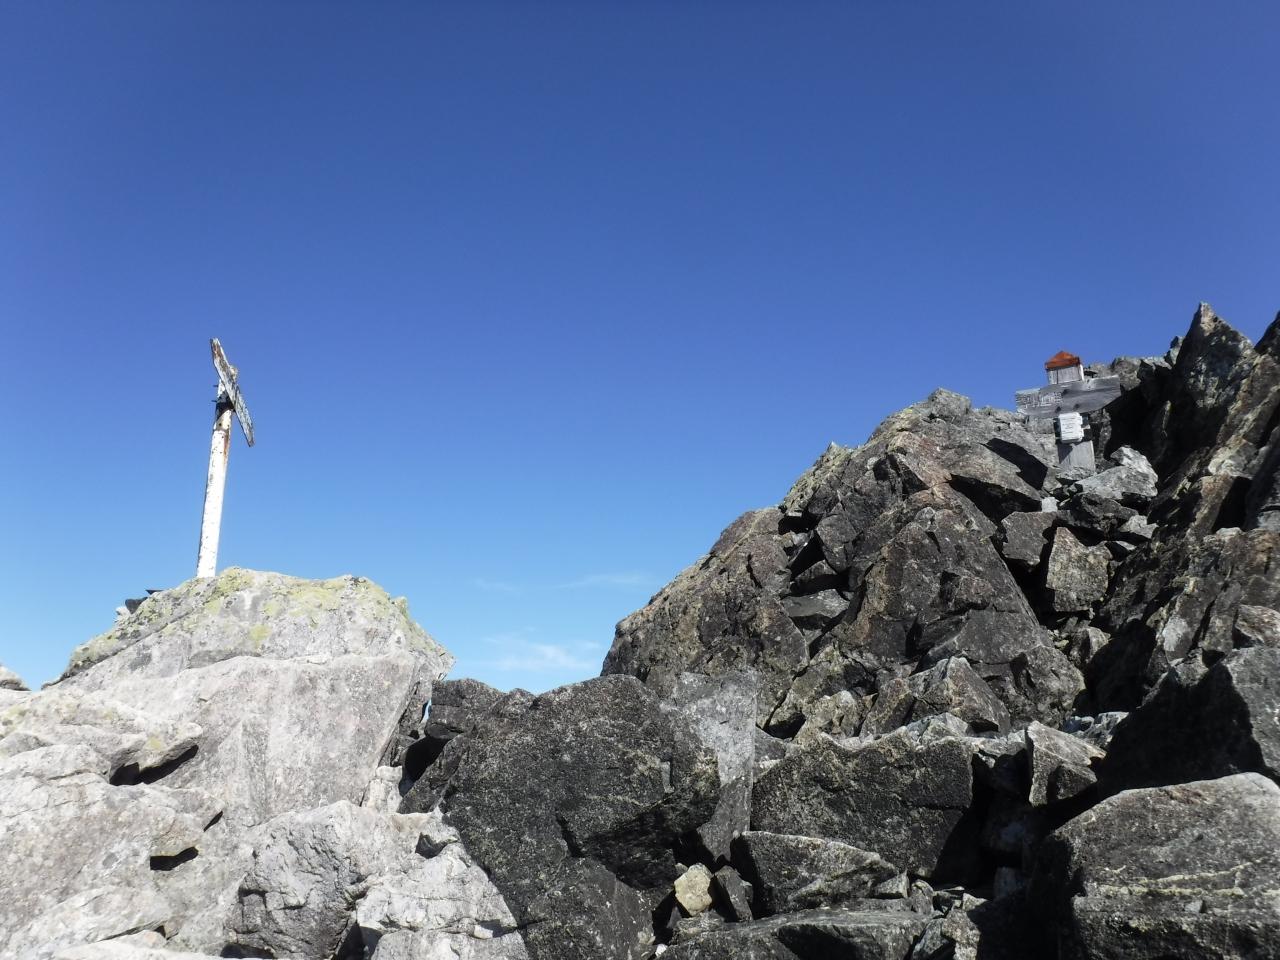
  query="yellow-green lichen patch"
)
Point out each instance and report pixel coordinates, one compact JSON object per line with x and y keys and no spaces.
{"x":258,"y":635}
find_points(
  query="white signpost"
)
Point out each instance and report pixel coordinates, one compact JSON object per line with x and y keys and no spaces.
{"x":1069,"y":398}
{"x":227,"y":402}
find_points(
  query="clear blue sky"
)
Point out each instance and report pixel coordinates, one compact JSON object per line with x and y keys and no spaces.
{"x":530,"y":300}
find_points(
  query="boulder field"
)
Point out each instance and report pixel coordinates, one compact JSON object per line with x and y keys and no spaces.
{"x":940,"y":702}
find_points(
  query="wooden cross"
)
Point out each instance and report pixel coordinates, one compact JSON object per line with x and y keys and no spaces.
{"x":227,"y":401}
{"x":1069,"y":398}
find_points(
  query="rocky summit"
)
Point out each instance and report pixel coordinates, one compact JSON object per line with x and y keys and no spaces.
{"x":943,"y":701}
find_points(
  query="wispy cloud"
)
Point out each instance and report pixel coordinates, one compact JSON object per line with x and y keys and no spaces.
{"x":585,"y":582}
{"x":606,"y":580}
{"x":496,"y":586}
{"x":519,"y":651}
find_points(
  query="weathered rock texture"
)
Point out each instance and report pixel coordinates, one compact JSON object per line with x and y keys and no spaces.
{"x":941,"y":703}
{"x":134,"y":790}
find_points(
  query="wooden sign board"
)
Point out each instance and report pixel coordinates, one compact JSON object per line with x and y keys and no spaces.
{"x":1078,"y":396}
{"x":230,"y":387}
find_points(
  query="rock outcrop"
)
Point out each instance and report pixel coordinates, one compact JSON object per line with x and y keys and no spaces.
{"x":943,"y":702}
{"x":175,"y":740}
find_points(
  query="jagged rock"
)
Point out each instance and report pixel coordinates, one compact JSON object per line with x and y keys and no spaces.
{"x":1131,"y":482}
{"x":584,"y":796}
{"x":456,"y":706}
{"x":948,"y":687}
{"x":839,"y":715}
{"x":809,"y":935}
{"x":269,"y":693}
{"x":10,"y":680}
{"x":1060,"y":764}
{"x":722,"y":711}
{"x":414,"y":889}
{"x":953,"y":687}
{"x":1024,"y":537}
{"x":732,"y":894}
{"x":1076,"y":576}
{"x":693,"y":889}
{"x":586,"y":912}
{"x":1188,"y":871}
{"x":899,"y":533}
{"x":1256,"y":627}
{"x":1199,"y":724}
{"x":82,"y":858}
{"x":264,"y":664}
{"x":894,"y":796}
{"x":789,"y":873}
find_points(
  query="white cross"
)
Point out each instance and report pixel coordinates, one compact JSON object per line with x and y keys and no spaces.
{"x":228,"y":400}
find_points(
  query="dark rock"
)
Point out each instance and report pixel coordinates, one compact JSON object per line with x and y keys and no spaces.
{"x":893,"y":796}
{"x":456,"y":706}
{"x":905,"y":524}
{"x":953,"y":687}
{"x":1025,"y":537}
{"x":584,"y":912}
{"x":1188,"y":871}
{"x":732,"y":894}
{"x":789,"y":872}
{"x":1199,"y":724}
{"x":1094,"y":516}
{"x":591,"y":786}
{"x":1181,"y":595}
{"x":1256,"y":627}
{"x":809,"y":935}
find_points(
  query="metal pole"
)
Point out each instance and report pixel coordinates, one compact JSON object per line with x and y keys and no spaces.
{"x":210,"y":526}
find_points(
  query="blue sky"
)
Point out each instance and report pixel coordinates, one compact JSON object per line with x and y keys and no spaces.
{"x":530,"y":300}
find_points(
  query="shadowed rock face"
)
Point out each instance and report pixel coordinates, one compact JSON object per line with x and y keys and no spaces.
{"x":879,"y":560}
{"x":941,"y":703}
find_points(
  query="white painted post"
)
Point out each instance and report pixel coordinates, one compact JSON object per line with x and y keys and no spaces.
{"x":210,"y":526}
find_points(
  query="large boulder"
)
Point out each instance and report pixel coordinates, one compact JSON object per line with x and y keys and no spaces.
{"x":789,"y":872}
{"x":1189,"y":871}
{"x":574,"y":805}
{"x":214,"y":708}
{"x":909,"y":801}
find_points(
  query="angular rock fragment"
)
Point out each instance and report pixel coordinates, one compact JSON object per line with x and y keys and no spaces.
{"x":1076,"y":576}
{"x":1060,"y":764}
{"x":1256,"y":627}
{"x":1199,"y":724}
{"x":953,"y":687}
{"x":1024,"y":537}
{"x":789,"y":872}
{"x":732,"y":894}
{"x":1131,"y":482}
{"x":721,"y":711}
{"x":894,"y":796}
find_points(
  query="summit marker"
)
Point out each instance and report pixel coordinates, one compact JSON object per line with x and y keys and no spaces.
{"x":228,"y":401}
